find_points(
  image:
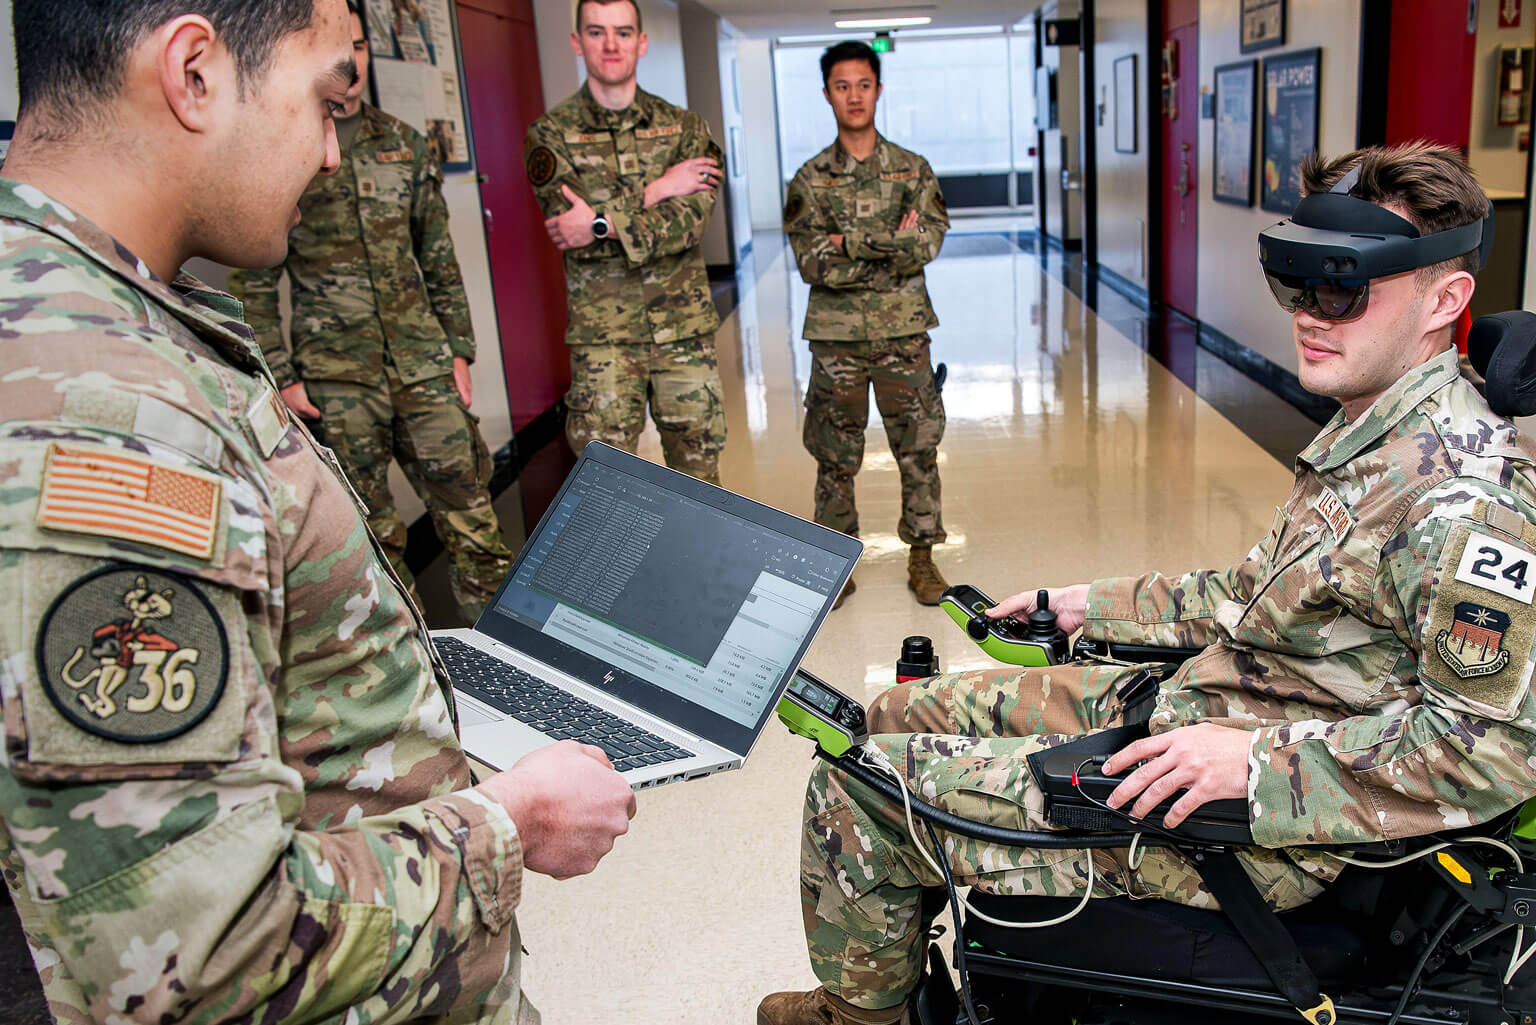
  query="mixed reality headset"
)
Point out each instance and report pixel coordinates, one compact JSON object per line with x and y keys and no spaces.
{"x":1323,"y":258}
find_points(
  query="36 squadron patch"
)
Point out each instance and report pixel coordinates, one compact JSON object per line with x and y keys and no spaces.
{"x":541,"y":166}
{"x":1473,"y":646}
{"x":132,"y":654}
{"x":794,"y":207}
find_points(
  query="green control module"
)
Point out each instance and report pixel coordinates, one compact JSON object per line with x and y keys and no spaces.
{"x":1032,"y":642}
{"x":812,"y":708}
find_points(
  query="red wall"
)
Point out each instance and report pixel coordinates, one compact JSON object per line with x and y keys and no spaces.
{"x":501,"y":67}
{"x":1429,"y":78}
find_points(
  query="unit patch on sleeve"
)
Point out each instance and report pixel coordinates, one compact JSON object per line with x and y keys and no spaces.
{"x":132,"y":654}
{"x":1481,"y":625}
{"x":794,"y":207}
{"x":120,"y":494}
{"x":541,"y":166}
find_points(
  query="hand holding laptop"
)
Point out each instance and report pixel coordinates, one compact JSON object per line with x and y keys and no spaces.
{"x":568,"y":804}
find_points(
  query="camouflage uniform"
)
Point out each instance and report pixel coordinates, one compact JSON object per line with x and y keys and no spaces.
{"x":254,"y":806}
{"x":641,"y":323}
{"x":379,"y":314}
{"x":867,"y":323}
{"x":1377,"y":643}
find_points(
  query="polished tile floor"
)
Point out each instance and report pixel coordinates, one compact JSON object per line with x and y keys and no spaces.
{"x":1070,"y":454}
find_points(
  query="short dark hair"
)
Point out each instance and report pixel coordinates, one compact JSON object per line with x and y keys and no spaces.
{"x":1433,"y":185}
{"x":639,"y":18}
{"x":73,"y":53}
{"x":848,"y":50}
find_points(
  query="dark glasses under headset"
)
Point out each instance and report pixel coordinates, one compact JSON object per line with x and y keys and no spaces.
{"x":1323,"y":299}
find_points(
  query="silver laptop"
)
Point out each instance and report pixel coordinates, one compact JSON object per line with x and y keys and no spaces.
{"x":650,"y":614}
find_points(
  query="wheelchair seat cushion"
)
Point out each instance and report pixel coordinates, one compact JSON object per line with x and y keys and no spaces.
{"x":1156,"y":939}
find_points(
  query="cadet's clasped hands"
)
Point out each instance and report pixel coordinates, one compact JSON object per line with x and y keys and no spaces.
{"x":1206,"y":761}
{"x":573,"y":229}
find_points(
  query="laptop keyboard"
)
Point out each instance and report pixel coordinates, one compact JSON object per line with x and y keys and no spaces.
{"x":550,"y":710}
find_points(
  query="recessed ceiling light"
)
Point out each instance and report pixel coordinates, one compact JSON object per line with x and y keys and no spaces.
{"x":882,"y":22}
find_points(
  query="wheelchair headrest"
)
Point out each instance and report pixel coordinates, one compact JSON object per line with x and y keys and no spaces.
{"x":1502,"y":347}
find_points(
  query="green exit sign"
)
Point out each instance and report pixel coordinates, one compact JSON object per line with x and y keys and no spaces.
{"x":882,"y":43}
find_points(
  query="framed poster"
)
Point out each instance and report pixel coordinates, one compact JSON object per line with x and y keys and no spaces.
{"x":1262,"y":25}
{"x":1236,"y":102}
{"x":416,"y":73}
{"x":1290,"y":125}
{"x":1125,"y":104}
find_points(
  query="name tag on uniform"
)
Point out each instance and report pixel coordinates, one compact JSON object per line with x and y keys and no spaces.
{"x":659,"y":132}
{"x":1334,"y":514}
{"x":865,"y":207}
{"x":1499,"y":567}
{"x":898,"y":176}
{"x":367,"y":188}
{"x":629,"y":163}
{"x":581,"y":138}
{"x":394,"y":156}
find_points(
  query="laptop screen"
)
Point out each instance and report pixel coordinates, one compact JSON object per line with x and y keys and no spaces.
{"x":698,"y":601}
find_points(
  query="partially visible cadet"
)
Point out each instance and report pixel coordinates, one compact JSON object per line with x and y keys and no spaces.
{"x":864,"y":217}
{"x":230,"y":783}
{"x":628,"y":182}
{"x":382,"y":341}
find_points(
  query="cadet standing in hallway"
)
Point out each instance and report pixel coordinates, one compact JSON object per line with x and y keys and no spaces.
{"x":382,"y":340}
{"x":628,"y":182}
{"x":864,"y":217}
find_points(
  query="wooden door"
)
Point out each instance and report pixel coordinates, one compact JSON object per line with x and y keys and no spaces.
{"x":1178,"y":203}
{"x":501,"y":71}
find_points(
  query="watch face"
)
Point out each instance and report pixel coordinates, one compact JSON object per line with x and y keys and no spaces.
{"x":600,"y":227}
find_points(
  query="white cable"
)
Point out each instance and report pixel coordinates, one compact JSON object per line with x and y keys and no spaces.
{"x":1517,"y":958}
{"x":876,"y":758}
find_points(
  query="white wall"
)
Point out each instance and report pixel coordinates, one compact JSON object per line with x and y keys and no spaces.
{"x":701,"y":32}
{"x":1120,"y":29}
{"x":1494,"y":154}
{"x":760,"y":117}
{"x":1232,"y":296}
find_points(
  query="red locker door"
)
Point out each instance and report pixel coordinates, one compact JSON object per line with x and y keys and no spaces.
{"x":501,"y":70}
{"x":1179,"y":203}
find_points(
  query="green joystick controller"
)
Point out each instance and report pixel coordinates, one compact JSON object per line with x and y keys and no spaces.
{"x":1036,"y":641}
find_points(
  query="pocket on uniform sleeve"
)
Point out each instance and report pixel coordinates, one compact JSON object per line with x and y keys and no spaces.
{"x":1478,"y":634}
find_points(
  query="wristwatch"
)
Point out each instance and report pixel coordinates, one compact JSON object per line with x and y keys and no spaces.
{"x":600,"y":226}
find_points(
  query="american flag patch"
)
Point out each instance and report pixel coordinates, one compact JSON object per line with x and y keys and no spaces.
{"x":125,"y":495}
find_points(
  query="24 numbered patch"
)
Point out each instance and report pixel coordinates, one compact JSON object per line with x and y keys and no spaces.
{"x":132,"y":654}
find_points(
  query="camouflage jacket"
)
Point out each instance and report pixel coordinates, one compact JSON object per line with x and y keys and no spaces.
{"x":1378,"y":642}
{"x":646,"y":282}
{"x":372,"y":268}
{"x":230,"y":786}
{"x":872,"y":285}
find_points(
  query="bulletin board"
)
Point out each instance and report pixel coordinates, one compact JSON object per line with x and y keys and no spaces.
{"x":418,"y":73}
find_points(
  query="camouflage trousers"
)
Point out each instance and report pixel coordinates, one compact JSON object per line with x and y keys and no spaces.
{"x":611,"y":384}
{"x":437,"y":442}
{"x":961,"y":741}
{"x":837,"y":414}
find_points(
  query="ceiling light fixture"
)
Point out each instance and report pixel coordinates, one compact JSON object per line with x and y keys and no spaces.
{"x":883,"y":22}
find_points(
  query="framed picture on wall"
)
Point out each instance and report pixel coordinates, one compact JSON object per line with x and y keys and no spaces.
{"x":1262,"y":25}
{"x":1236,"y":102}
{"x":1291,"y":83}
{"x":1125,"y":104}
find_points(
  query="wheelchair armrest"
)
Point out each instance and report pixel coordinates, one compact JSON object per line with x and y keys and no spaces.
{"x":1087,"y":648}
{"x":1076,"y":792}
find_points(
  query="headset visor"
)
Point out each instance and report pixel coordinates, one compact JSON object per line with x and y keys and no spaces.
{"x":1324,"y":299}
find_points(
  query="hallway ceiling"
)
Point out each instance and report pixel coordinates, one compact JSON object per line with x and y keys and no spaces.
{"x":770,"y":18}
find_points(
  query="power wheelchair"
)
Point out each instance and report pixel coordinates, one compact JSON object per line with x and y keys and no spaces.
{"x":1422,"y":937}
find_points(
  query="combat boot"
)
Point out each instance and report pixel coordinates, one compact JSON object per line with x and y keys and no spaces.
{"x":923,"y":577}
{"x":842,"y":595}
{"x":818,"y":1007}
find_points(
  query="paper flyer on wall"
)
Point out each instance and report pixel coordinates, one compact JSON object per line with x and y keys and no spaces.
{"x":428,"y":99}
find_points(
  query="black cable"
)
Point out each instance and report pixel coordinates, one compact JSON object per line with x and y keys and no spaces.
{"x":954,"y":911}
{"x":1418,"y":969}
{"x":1038,"y":839}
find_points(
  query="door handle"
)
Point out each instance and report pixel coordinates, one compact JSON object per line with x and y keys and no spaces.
{"x":1183,"y":188}
{"x":490,"y":221}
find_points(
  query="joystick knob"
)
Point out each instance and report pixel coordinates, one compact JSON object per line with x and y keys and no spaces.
{"x":978,"y":626}
{"x":1042,"y":621}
